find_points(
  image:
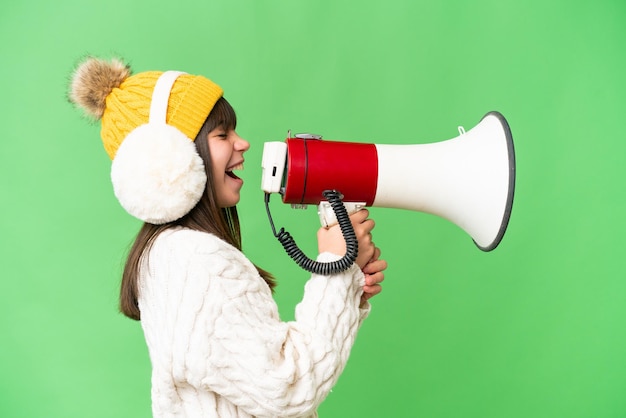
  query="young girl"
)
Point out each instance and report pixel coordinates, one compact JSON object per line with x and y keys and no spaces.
{"x":216,"y":342}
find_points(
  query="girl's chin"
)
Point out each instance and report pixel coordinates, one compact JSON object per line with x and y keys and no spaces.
{"x":231,"y":199}
{"x":228,"y":203}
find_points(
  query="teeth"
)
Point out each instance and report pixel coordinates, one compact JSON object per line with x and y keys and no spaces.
{"x":236,"y":167}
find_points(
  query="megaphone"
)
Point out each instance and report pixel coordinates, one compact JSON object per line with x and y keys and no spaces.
{"x":468,"y":180}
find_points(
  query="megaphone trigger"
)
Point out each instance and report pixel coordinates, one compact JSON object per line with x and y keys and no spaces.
{"x":327,"y":214}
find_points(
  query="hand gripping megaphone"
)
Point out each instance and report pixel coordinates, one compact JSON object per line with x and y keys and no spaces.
{"x":468,"y":180}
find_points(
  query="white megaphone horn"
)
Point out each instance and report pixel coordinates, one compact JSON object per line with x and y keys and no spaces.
{"x":468,"y":180}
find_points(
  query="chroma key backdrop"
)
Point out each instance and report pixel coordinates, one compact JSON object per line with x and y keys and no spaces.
{"x":535,"y":328}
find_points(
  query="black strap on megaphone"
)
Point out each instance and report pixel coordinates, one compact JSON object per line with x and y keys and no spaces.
{"x":318,"y":267}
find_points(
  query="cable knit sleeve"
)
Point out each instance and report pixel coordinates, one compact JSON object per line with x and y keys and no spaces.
{"x":211,"y":323}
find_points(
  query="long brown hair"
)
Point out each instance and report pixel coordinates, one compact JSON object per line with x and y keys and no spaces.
{"x":206,"y":216}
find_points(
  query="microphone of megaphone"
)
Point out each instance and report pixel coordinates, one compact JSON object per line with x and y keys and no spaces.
{"x":468,"y":180}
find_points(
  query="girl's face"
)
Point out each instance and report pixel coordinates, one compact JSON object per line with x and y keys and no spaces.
{"x":226,"y":148}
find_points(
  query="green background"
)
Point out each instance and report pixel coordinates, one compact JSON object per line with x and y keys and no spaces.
{"x":535,"y":328}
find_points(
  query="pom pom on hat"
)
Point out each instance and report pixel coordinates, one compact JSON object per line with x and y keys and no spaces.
{"x":93,"y":80}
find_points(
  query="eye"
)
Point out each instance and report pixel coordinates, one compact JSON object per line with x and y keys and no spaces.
{"x":219,"y":134}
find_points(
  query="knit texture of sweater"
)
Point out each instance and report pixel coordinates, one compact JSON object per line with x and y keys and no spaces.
{"x":217,"y":345}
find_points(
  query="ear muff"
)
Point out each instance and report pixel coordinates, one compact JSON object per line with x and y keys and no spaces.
{"x":157,"y":174}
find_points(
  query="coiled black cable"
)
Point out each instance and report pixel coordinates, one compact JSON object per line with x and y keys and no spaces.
{"x":318,"y":267}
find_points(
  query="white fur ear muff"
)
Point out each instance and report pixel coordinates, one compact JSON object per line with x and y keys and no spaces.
{"x":157,"y":174}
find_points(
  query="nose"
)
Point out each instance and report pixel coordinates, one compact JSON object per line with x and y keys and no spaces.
{"x":241,"y":144}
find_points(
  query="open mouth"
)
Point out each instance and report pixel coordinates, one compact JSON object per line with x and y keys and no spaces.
{"x":231,"y":175}
{"x":229,"y":171}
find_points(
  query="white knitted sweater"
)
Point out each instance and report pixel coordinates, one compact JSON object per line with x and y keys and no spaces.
{"x":217,"y":345}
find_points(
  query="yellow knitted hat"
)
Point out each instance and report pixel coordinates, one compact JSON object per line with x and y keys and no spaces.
{"x":157,"y":173}
{"x":128,"y":106}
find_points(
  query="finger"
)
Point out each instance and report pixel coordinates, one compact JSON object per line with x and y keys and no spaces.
{"x":367,"y":225}
{"x":359,"y":216}
{"x":363,"y":229}
{"x":373,"y":279}
{"x":375,"y":266}
{"x":366,"y":251}
{"x":372,"y":259}
{"x":370,"y":291}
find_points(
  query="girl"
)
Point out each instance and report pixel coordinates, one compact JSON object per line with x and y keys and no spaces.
{"x":216,"y":342}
